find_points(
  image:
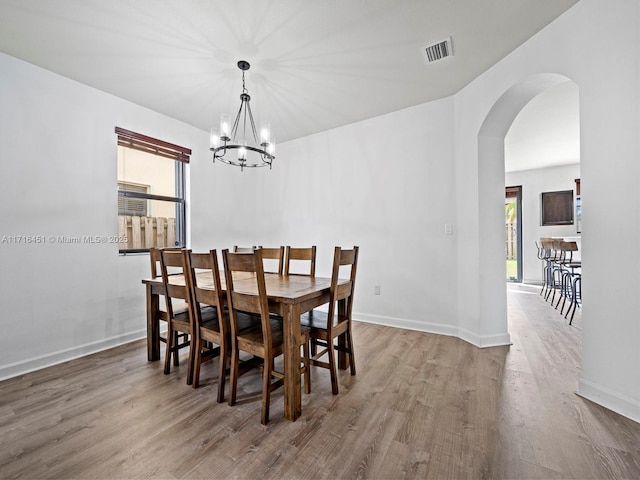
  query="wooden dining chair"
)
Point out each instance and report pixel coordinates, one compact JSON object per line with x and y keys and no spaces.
{"x":175,"y":262}
{"x":296,"y":256}
{"x":269,"y":254}
{"x":154,"y":256}
{"x":212,"y":330}
{"x":210,"y":325}
{"x":266,"y":341}
{"x":336,"y":322}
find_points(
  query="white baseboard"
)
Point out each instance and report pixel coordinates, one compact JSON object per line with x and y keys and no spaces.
{"x":622,"y":404}
{"x":481,"y":341}
{"x":485,"y":341}
{"x":50,"y":359}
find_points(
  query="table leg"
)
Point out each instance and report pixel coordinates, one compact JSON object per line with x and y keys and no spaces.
{"x":292,"y":384}
{"x":153,"y":326}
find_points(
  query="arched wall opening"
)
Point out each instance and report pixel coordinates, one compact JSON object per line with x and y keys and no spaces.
{"x":491,"y":182}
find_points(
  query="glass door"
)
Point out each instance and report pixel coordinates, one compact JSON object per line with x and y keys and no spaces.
{"x":513,"y":233}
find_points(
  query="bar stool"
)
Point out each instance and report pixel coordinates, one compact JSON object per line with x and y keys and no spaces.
{"x":546,"y":254}
{"x":576,"y":296}
{"x":554,"y":268}
{"x":568,"y":266}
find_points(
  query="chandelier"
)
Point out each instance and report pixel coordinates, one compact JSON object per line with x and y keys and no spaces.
{"x":249,"y":152}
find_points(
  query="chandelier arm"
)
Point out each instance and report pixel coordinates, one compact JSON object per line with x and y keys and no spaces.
{"x":244,"y":121}
{"x":253,"y":125}
{"x":234,"y":129}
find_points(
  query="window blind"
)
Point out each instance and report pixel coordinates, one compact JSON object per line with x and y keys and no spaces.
{"x":137,"y":141}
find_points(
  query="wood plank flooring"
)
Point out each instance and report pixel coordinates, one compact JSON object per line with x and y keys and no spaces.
{"x":421,"y":406}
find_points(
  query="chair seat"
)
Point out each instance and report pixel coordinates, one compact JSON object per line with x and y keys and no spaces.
{"x":316,"y":319}
{"x":247,"y":321}
{"x":253,"y":333}
{"x":182,"y":317}
{"x":210,"y":320}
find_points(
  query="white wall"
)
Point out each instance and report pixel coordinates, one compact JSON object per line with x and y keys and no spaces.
{"x":388,"y":189}
{"x":58,"y":178}
{"x":533,"y":183}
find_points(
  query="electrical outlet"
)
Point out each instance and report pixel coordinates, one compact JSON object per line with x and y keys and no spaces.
{"x":376,"y":290}
{"x":447,"y":229}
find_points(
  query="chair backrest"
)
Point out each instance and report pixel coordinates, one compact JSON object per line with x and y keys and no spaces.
{"x":566,"y":250}
{"x":277,"y":254}
{"x":206,"y":287}
{"x":175,"y":262}
{"x":154,"y":256}
{"x":247,"y":293}
{"x":547,"y":245}
{"x":237,"y":249}
{"x":300,"y":255}
{"x":342,"y":258}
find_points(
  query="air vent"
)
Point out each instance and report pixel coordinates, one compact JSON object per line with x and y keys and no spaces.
{"x":438,"y":51}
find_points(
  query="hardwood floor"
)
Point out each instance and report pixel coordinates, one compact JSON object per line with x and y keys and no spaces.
{"x":421,"y":406}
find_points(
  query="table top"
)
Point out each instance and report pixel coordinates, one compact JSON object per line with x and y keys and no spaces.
{"x":280,"y":288}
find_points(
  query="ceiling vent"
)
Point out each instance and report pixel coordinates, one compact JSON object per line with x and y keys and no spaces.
{"x":438,"y":51}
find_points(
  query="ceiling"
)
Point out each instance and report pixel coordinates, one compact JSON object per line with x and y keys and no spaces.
{"x":314,"y":65}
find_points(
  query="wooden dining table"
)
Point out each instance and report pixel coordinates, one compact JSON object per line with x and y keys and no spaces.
{"x":289,"y":296}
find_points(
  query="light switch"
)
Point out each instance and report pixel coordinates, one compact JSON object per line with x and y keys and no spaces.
{"x":447,"y":229}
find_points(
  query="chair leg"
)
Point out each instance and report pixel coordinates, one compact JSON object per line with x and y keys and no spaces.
{"x":576,"y":294}
{"x":190,"y":360}
{"x":266,"y":390}
{"x":566,"y":281}
{"x":222,"y":372}
{"x":575,"y":304}
{"x":352,"y":356}
{"x":307,"y":363}
{"x":333,"y":369}
{"x":197,"y":360}
{"x":233,"y":376}
{"x":169,"y":349}
{"x":176,"y":342}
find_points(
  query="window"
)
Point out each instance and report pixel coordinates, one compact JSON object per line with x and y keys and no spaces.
{"x":151,"y":198}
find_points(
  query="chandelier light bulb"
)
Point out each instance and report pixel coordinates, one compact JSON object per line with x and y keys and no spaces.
{"x":265,"y":133}
{"x":225,"y":127}
{"x":271,"y":147}
{"x":242,"y":153}
{"x":214,"y":138}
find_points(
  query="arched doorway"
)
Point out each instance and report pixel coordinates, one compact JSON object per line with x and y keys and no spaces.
{"x":491,"y":161}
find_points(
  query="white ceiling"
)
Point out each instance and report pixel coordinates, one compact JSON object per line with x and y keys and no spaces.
{"x":315,"y":65}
